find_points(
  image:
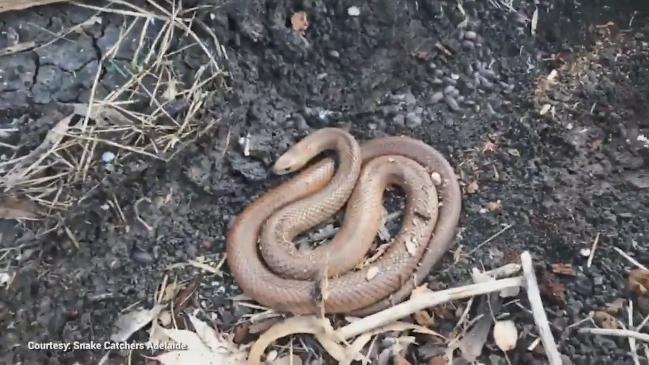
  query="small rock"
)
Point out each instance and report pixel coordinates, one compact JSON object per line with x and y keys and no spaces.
{"x":107,"y":156}
{"x":437,"y":97}
{"x":142,"y":257}
{"x":452,"y":103}
{"x":413,"y":120}
{"x":353,"y":11}
{"x":335,"y":54}
{"x":583,"y":284}
{"x":468,"y":45}
{"x":470,"y":35}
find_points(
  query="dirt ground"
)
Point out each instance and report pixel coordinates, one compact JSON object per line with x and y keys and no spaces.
{"x":548,"y":132}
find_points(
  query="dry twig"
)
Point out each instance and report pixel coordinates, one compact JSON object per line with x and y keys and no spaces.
{"x":540,"y":318}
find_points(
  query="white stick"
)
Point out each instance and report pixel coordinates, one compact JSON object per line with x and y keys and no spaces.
{"x":592,"y":251}
{"x":423,"y":301}
{"x":616,"y":333}
{"x":630,"y":259}
{"x":540,"y":318}
{"x":632,"y":343}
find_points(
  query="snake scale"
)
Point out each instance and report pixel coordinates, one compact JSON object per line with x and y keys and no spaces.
{"x":265,"y":262}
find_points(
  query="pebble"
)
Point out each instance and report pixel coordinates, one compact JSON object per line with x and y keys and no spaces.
{"x":142,"y":257}
{"x":489,"y":74}
{"x":353,"y":11}
{"x":449,"y":80}
{"x":470,"y":35}
{"x":333,"y":53}
{"x":452,"y":103}
{"x":413,"y":119}
{"x":399,"y":120}
{"x":583,"y":284}
{"x":437,"y":97}
{"x":450,"y":90}
{"x":107,"y":156}
{"x":468,"y":45}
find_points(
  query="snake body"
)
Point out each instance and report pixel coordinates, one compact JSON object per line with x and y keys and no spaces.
{"x":289,"y":280}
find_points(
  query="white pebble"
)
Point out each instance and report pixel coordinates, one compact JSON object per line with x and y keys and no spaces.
{"x":585,"y":252}
{"x":353,"y":11}
{"x":107,"y":156}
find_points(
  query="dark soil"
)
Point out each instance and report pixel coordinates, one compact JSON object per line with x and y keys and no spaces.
{"x":561,"y":178}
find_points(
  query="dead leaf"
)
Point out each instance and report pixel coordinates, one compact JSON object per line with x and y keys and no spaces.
{"x":563,"y":269}
{"x":489,"y":147}
{"x":7,"y":5}
{"x":554,"y":290}
{"x":472,"y":187}
{"x":616,"y":306}
{"x":170,"y":292}
{"x":13,"y":208}
{"x":505,"y":335}
{"x":422,"y":289}
{"x":320,"y":327}
{"x":444,"y":312}
{"x":205,"y":346}
{"x":639,"y":281}
{"x":494,"y":206}
{"x":132,"y":322}
{"x":605,"y":320}
{"x":423,"y":318}
{"x":372,"y":271}
{"x":300,"y":22}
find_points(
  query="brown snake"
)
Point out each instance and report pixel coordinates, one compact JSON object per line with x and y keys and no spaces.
{"x":287,"y":280}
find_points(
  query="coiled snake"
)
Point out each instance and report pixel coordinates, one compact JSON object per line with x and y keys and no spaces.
{"x":266,"y":264}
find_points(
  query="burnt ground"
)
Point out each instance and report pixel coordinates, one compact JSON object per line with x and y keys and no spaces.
{"x":561,"y":160}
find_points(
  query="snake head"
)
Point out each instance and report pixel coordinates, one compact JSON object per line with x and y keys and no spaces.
{"x":290,"y":161}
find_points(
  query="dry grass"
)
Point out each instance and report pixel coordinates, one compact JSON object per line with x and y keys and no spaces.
{"x":150,"y":116}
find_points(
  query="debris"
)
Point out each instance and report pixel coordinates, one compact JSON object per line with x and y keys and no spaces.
{"x":472,"y":187}
{"x":564,"y":269}
{"x":300,"y":22}
{"x":422,"y":301}
{"x":13,"y":208}
{"x":605,"y":320}
{"x":615,"y":306}
{"x":538,"y":312}
{"x":9,"y":5}
{"x":545,"y":109}
{"x":505,"y":335}
{"x":639,"y":281}
{"x":489,"y":147}
{"x":630,"y":259}
{"x":493,"y":206}
{"x":535,"y":21}
{"x":554,"y":290}
{"x":133,"y":321}
{"x":205,"y":346}
{"x":353,"y":11}
{"x":423,"y":318}
{"x":592,"y":250}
